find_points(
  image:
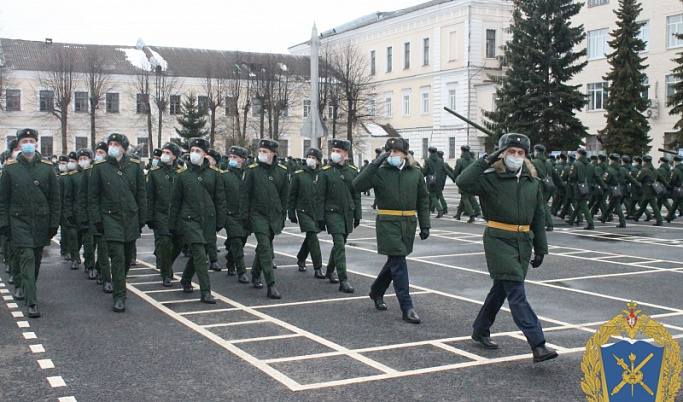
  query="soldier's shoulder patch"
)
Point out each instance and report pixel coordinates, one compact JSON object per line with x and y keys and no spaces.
{"x":154,"y":168}
{"x":181,"y":170}
{"x":100,"y":161}
{"x":353,"y":167}
{"x":282,"y":166}
{"x":298,"y":171}
{"x":73,"y":172}
{"x":253,"y":165}
{"x":89,"y":167}
{"x":46,"y":162}
{"x":135,"y":160}
{"x":216,"y":169}
{"x":63,"y":174}
{"x":12,"y":162}
{"x":326,"y":167}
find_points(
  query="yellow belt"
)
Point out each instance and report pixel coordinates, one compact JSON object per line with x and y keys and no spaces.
{"x":509,"y":227}
{"x":395,"y":213}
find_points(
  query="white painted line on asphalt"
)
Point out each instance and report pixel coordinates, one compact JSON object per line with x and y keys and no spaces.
{"x":194,"y":300}
{"x":304,"y":357}
{"x":339,"y":299}
{"x":23,"y":324}
{"x":2,"y":285}
{"x":167,"y":290}
{"x":46,"y":364}
{"x":7,"y":298}
{"x":4,"y":291}
{"x":37,"y":348}
{"x":29,"y":335}
{"x":12,"y":305}
{"x":142,"y":276}
{"x":17,"y":314}
{"x":67,"y":399}
{"x":56,"y":381}
{"x":460,"y":352}
{"x":265,"y":338}
{"x":233,"y":324}
{"x":218,"y":310}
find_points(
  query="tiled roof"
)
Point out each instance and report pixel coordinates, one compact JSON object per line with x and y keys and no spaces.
{"x":17,"y":54}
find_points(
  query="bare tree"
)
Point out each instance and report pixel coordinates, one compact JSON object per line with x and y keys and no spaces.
{"x":141,"y":90}
{"x":215,"y":86}
{"x":59,"y":82}
{"x":4,"y":83}
{"x":350,"y":68}
{"x":165,"y":84}
{"x":97,"y":79}
{"x":330,"y":94}
{"x":233,"y":91}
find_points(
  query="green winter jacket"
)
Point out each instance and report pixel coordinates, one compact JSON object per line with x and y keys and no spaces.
{"x":505,"y":198}
{"x":339,"y":201}
{"x":160,"y":181}
{"x":29,"y":201}
{"x":264,"y":197}
{"x":232,"y":181}
{"x":397,"y":190}
{"x":302,"y":199}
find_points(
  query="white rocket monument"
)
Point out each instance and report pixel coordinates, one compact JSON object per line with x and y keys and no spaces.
{"x":313,"y":127}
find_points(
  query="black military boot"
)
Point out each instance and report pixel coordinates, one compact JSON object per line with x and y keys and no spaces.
{"x":272,"y":292}
{"x":411,"y":316}
{"x":208,"y":299}
{"x":74,"y":264}
{"x":379,"y":301}
{"x":107,"y":287}
{"x":332,"y":276}
{"x":484,"y":341}
{"x":33,"y":312}
{"x":215,"y":267}
{"x":439,"y":214}
{"x":230,"y":265}
{"x":318,"y":273}
{"x":471,"y":220}
{"x":302,"y":265}
{"x":445,"y":211}
{"x":457,"y":216}
{"x":10,"y":280}
{"x":256,"y":282}
{"x":345,"y":287}
{"x":242,"y":278}
{"x":92,"y":274}
{"x":542,"y":353}
{"x":19,"y":294}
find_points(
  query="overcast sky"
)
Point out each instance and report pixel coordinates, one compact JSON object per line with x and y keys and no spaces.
{"x":250,"y":25}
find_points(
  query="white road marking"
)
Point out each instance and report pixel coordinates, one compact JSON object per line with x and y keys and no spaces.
{"x":29,"y":335}
{"x":233,"y":324}
{"x":23,"y":324}
{"x":37,"y":348}
{"x":67,"y":399}
{"x":4,"y":291}
{"x":7,"y":298}
{"x":12,"y":305}
{"x":218,"y":310}
{"x":339,"y":299}
{"x":17,"y":314}
{"x":46,"y":364}
{"x":56,"y":381}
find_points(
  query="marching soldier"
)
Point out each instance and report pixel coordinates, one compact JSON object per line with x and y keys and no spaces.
{"x":676,"y":182}
{"x":117,"y":204}
{"x":64,"y":183}
{"x":213,"y":157}
{"x":160,"y":181}
{"x":433,"y":170}
{"x":560,"y":187}
{"x":77,"y":200}
{"x":304,"y":211}
{"x":545,"y":172}
{"x":581,"y":174}
{"x":236,"y":233}
{"x":512,"y":202}
{"x":663,"y":175}
{"x":447,"y":172}
{"x":263,"y":210}
{"x":198,"y":212}
{"x":401,"y":192}
{"x":102,"y":263}
{"x":646,"y":177}
{"x":68,"y":210}
{"x":465,"y":204}
{"x":615,"y":185}
{"x":341,"y":207}
{"x":29,"y":212}
{"x":600,"y":192}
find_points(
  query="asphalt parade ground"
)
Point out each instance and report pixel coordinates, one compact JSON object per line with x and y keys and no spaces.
{"x":317,"y":343}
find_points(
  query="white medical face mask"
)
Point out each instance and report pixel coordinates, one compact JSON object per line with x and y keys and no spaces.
{"x":336,"y":157}
{"x":71,"y":165}
{"x":311,"y":163}
{"x":164,"y":158}
{"x":513,"y":164}
{"x":263,"y":158}
{"x":84,"y":164}
{"x":62,"y":168}
{"x":196,"y":158}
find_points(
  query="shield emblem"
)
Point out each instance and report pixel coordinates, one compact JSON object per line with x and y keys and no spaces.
{"x":631,"y":371}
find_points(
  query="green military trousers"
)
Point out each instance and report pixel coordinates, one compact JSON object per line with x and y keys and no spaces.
{"x":263,"y":261}
{"x":102,"y":265}
{"x":28,"y":259}
{"x":311,"y":245}
{"x":166,"y":249}
{"x":338,"y":255}
{"x":235,"y":255}
{"x":85,"y":239}
{"x":121,"y":255}
{"x":197,"y":264}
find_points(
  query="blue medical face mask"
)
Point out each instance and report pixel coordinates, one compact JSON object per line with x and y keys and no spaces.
{"x":28,"y":148}
{"x":98,"y":158}
{"x":155,"y":162}
{"x":113,"y":152}
{"x":233,"y":163}
{"x":394,"y":160}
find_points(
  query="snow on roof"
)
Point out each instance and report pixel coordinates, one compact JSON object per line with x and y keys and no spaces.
{"x":376,"y":130}
{"x":138,"y":58}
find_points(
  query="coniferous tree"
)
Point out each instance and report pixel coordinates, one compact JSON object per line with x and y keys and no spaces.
{"x":676,"y":100}
{"x":627,"y":127}
{"x":533,"y":95}
{"x":192,"y":121}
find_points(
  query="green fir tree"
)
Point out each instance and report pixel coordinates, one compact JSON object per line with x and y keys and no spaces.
{"x":533,"y":96}
{"x":192,"y":121}
{"x":627,"y":128}
{"x":676,"y":100}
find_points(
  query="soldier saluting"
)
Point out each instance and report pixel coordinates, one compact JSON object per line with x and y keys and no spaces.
{"x":512,"y":201}
{"x":29,"y":211}
{"x":401,"y":192}
{"x":117,"y":204}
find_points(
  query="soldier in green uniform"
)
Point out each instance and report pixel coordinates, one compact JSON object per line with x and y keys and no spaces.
{"x":117,"y":204}
{"x":646,"y":177}
{"x":663,"y":175}
{"x":63,"y":182}
{"x":341,"y":207}
{"x":77,"y":198}
{"x":213,"y":157}
{"x":613,"y":179}
{"x":433,"y":171}
{"x":600,"y":191}
{"x":560,"y":193}
{"x":512,"y":201}
{"x":676,"y":183}
{"x":637,"y":194}
{"x":29,"y":212}
{"x":465,"y":204}
{"x":160,"y":181}
{"x":236,"y":233}
{"x":401,"y":193}
{"x":304,"y":210}
{"x":68,"y":206}
{"x":102,"y":263}
{"x":581,"y":173}
{"x":198,"y":212}
{"x":544,"y":171}
{"x":263,"y":210}
{"x":441,"y":181}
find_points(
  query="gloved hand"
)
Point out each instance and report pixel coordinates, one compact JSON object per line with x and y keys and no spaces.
{"x":99,"y":227}
{"x":5,"y":231}
{"x":424,"y":234}
{"x":356,"y":222}
{"x":321,"y":226}
{"x":380,"y":159}
{"x":151,"y":225}
{"x":246,"y":223}
{"x":537,"y":260}
{"x":71,"y":220}
{"x":53,"y":232}
{"x":293,"y":219}
{"x":496,"y":155}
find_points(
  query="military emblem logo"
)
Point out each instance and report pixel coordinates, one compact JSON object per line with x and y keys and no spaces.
{"x":644,"y":367}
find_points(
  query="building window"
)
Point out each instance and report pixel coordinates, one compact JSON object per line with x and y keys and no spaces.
{"x":174,"y":104}
{"x":283,"y":148}
{"x":674,"y":27}
{"x":372,"y":107}
{"x":307,"y":144}
{"x":228,"y":105}
{"x":597,"y":95}
{"x":307,"y":107}
{"x":144,"y":151}
{"x":256,"y":107}
{"x":451,"y":147}
{"x":425,"y":147}
{"x":406,"y":104}
{"x":12,"y":100}
{"x":406,"y":55}
{"x":330,"y":110}
{"x":81,"y":142}
{"x":425,"y":51}
{"x":597,"y":43}
{"x":112,"y":100}
{"x":592,"y":3}
{"x":424,"y":98}
{"x":46,"y":146}
{"x":80,"y":102}
{"x":490,"y":43}
{"x":389,"y":59}
{"x":451,"y":99}
{"x":284,"y":108}
{"x":387,"y":105}
{"x":646,"y":92}
{"x":453,"y":46}
{"x":203,"y":104}
{"x":644,"y":35}
{"x":671,"y":80}
{"x":141,"y":101}
{"x":47,"y":101}
{"x":372,"y":62}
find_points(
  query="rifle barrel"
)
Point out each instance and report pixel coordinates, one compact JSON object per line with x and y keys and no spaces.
{"x":468,"y":121}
